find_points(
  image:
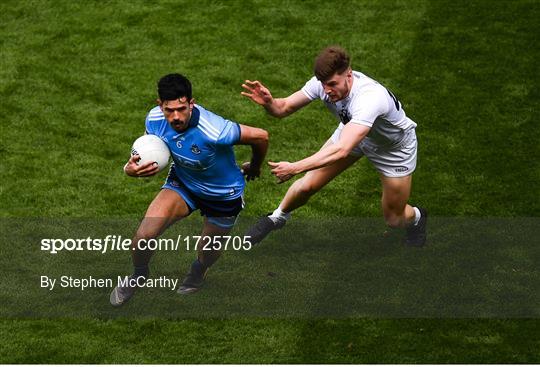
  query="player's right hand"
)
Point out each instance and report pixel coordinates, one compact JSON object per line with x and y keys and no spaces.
{"x":250,"y":172}
{"x":257,"y":92}
{"x":144,"y":170}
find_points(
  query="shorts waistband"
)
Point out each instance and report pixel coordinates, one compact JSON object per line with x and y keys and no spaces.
{"x":407,"y":137}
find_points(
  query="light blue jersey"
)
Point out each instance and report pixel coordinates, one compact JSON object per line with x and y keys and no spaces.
{"x":203,"y":154}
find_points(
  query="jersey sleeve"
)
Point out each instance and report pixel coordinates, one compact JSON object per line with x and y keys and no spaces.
{"x":366,"y":107}
{"x":148,"y":128}
{"x":230,"y":134}
{"x":313,"y":89}
{"x":153,"y":121}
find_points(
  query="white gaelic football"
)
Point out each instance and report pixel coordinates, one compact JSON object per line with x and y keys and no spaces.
{"x":151,"y":149}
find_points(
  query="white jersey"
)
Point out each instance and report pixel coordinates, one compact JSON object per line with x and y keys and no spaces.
{"x":369,"y":104}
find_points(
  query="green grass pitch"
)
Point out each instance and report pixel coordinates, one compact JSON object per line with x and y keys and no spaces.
{"x":77,"y":78}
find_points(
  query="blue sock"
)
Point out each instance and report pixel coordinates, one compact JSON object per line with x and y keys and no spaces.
{"x":141,"y":271}
{"x":199,"y":266}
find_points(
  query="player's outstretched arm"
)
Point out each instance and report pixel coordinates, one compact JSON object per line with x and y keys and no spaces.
{"x":277,"y":107}
{"x":351,"y":136}
{"x":134,"y":170}
{"x":258,"y":139}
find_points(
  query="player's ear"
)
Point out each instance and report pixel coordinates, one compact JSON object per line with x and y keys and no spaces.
{"x":191,"y":102}
{"x":158,"y":101}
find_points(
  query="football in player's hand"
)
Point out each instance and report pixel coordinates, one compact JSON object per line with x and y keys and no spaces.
{"x":151,"y":148}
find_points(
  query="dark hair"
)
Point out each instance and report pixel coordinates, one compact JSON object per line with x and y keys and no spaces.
{"x":330,"y":61}
{"x":174,"y":86}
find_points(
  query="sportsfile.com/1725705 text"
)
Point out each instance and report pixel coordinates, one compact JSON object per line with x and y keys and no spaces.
{"x":119,"y":243}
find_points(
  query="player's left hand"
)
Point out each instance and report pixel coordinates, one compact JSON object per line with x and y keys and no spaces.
{"x":251,"y":173}
{"x":284,"y":171}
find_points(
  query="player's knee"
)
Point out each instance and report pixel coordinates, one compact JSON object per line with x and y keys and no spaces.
{"x":306,"y":188}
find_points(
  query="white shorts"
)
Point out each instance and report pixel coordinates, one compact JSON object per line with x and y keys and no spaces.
{"x":395,"y":161}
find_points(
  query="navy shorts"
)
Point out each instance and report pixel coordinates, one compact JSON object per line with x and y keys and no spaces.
{"x":222,"y":213}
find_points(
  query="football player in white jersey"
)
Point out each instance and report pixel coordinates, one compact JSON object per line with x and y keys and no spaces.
{"x":372,"y":123}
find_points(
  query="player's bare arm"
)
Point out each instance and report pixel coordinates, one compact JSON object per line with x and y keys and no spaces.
{"x":144,"y":170}
{"x":351,"y":136}
{"x":258,"y":139}
{"x":277,"y":107}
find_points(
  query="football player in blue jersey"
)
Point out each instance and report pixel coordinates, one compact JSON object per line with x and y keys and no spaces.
{"x":203,"y":176}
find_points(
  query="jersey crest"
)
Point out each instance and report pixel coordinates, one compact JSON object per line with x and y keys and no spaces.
{"x":195,"y":149}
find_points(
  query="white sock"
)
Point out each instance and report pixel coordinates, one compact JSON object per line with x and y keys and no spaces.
{"x":417,"y":215}
{"x":279,"y":214}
